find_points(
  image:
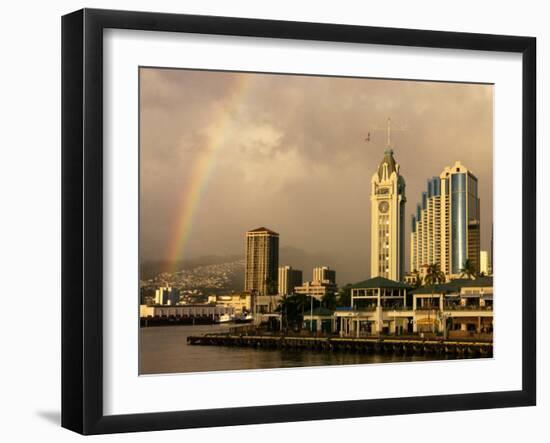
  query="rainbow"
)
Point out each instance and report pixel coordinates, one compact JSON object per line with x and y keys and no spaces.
{"x":202,"y":170}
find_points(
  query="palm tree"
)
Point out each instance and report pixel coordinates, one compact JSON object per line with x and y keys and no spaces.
{"x":292,"y":308}
{"x":301,"y":301}
{"x":417,"y":279}
{"x":288,"y":306}
{"x":283,"y":308}
{"x":468,"y":270}
{"x":329,"y":300}
{"x":344,"y":295}
{"x":433,"y":277}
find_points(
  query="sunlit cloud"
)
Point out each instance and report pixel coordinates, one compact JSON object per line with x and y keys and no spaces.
{"x":291,"y":154}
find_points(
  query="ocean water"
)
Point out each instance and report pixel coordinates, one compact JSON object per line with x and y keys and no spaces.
{"x":164,"y":349}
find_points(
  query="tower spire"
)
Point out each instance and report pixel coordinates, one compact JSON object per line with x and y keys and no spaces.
{"x":388,"y":133}
{"x":387,"y":216}
{"x":388,"y":130}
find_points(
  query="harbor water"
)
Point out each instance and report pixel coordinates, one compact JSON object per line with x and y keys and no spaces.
{"x":164,"y":349}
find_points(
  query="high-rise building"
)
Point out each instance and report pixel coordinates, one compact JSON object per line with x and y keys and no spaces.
{"x":324,"y":274}
{"x":288,"y":279}
{"x":484,"y":263}
{"x":426,"y":227}
{"x":167,"y":295}
{"x":262,"y":261}
{"x":460,"y":219}
{"x":387,"y":220}
{"x":446,"y":225}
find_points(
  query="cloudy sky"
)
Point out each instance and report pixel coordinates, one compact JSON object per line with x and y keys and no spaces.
{"x":222,"y":153}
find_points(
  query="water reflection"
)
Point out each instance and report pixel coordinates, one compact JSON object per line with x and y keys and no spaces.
{"x":165,"y":350}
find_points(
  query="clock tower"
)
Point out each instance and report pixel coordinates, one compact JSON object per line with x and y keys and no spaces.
{"x":387,"y":220}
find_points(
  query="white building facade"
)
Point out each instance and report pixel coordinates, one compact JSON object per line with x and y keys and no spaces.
{"x":387,"y":220}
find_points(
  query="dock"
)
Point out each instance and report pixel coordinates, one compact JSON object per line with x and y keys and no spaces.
{"x":412,"y":346}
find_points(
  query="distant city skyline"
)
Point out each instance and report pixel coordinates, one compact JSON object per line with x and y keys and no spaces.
{"x":222,"y":153}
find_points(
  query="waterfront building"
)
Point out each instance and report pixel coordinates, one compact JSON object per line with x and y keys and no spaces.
{"x":446,"y":225}
{"x":262,"y":261}
{"x":379,"y":292}
{"x":184,"y":311}
{"x":241,"y":303}
{"x":324,"y":274}
{"x":320,"y":320}
{"x":288,"y":279}
{"x":167,"y":295}
{"x":372,"y":297}
{"x":316,"y":289}
{"x":457,"y":309}
{"x":387,"y":220}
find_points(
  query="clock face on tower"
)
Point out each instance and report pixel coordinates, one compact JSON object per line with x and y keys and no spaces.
{"x":383,"y":207}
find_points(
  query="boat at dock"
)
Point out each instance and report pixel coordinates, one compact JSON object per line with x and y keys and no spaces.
{"x":244,"y":318}
{"x":225,"y":318}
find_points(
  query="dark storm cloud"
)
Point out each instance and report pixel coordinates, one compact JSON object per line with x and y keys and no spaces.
{"x":293,"y":156}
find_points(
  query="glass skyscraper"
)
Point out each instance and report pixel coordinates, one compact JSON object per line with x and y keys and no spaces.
{"x":446,"y":226}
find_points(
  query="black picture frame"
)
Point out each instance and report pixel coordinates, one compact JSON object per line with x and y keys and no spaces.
{"x":82,"y":219}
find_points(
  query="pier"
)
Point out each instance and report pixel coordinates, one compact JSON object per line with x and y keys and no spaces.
{"x":413,"y":346}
